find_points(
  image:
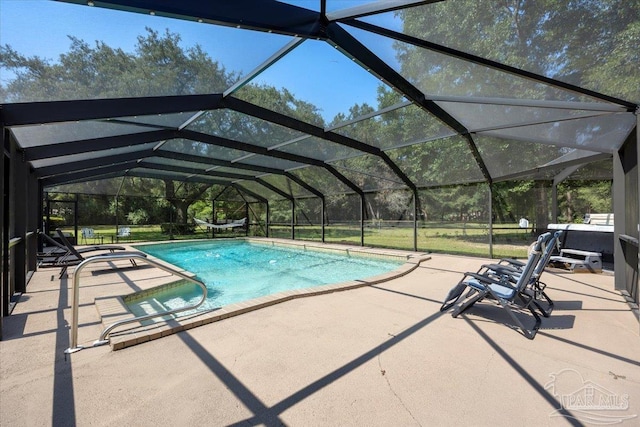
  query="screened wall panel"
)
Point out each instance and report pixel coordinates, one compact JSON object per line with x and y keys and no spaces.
{"x":319,"y":149}
{"x":369,"y":172}
{"x":287,"y":186}
{"x":322,"y":180}
{"x":241,"y":127}
{"x":492,"y":34}
{"x":455,"y":219}
{"x":438,"y":74}
{"x":343,"y":219}
{"x":308,"y":219}
{"x":280,"y":219}
{"x":400,"y":127}
{"x":389,"y":219}
{"x":33,"y":136}
{"x":438,"y":162}
{"x":603,"y":133}
{"x":202,"y":149}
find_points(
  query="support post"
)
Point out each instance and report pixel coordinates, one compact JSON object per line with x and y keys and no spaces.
{"x":490,"y":220}
{"x":4,"y":299}
{"x":362,"y":207}
{"x":293,"y":219}
{"x":322,"y":208}
{"x":415,"y":220}
{"x":19,"y":224}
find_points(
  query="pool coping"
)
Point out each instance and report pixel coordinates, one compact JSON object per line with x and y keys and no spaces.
{"x":112,"y":309}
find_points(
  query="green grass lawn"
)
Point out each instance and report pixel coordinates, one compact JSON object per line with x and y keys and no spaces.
{"x":451,"y":238}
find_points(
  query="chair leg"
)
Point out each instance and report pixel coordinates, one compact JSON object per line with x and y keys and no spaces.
{"x":542,"y":295}
{"x":529,"y":333}
{"x":453,"y":296}
{"x":479,"y":296}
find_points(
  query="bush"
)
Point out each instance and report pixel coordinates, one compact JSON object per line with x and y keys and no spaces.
{"x":166,"y":227}
{"x":137,"y":217}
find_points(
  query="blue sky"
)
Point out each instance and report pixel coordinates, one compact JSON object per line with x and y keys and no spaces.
{"x":316,"y":73}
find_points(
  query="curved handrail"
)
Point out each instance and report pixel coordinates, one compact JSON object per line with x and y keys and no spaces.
{"x":111,"y":257}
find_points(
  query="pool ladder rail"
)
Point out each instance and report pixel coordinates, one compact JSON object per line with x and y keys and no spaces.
{"x":113,"y":257}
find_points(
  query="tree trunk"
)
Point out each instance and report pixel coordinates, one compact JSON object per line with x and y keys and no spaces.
{"x":542,"y":207}
{"x":181,"y":206}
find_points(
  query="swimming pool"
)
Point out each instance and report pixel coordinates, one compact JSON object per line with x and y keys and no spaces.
{"x":236,"y":271}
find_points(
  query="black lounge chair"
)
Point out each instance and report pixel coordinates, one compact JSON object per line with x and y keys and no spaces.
{"x":58,"y":249}
{"x":535,"y":288}
{"x":74,"y":257}
{"x":502,"y":288}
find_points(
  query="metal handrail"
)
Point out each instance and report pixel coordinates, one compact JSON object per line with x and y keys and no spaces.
{"x":111,"y":257}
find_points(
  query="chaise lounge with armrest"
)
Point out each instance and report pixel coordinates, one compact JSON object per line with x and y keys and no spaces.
{"x":74,"y":256}
{"x":510,"y":291}
{"x":536,"y":288}
{"x":57,"y":249}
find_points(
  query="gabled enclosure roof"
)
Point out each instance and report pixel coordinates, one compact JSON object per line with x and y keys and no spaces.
{"x":393,"y":105}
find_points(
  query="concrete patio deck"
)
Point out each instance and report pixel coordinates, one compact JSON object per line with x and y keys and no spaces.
{"x":381,"y":355}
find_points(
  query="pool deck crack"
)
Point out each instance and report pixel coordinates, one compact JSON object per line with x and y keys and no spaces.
{"x":383,"y":372}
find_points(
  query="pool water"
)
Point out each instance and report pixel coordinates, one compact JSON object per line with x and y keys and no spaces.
{"x":236,"y":271}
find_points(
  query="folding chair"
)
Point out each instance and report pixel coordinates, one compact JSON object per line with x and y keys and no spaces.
{"x":501,"y":288}
{"x":536,"y":287}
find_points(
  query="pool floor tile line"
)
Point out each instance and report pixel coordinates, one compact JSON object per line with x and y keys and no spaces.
{"x":112,"y":309}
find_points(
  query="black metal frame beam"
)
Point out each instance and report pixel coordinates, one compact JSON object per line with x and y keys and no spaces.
{"x":144,"y":174}
{"x":32,"y":113}
{"x":95,"y":144}
{"x":241,"y":189}
{"x":376,"y":8}
{"x":215,"y":140}
{"x":149,"y":164}
{"x":292,"y":123}
{"x":304,"y":185}
{"x":235,"y":165}
{"x":194,"y":158}
{"x":88,"y":174}
{"x":275,"y":189}
{"x":353,"y":48}
{"x":96,"y":163}
{"x":259,"y":15}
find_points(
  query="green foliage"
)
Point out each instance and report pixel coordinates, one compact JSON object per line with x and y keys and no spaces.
{"x":138,"y":217}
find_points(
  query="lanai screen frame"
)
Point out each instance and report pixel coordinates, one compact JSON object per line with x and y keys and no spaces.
{"x":301,"y":24}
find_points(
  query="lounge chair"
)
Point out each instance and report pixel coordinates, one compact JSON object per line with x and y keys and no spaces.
{"x":56,"y":248}
{"x":501,"y":288}
{"x":536,"y":288}
{"x":87,"y":233}
{"x":74,"y":257}
{"x":123,"y":232}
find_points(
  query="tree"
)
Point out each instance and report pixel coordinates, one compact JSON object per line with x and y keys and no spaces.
{"x":158,"y":66}
{"x":599,"y":52}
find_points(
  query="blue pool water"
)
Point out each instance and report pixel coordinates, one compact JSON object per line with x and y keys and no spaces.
{"x":237,"y":271}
